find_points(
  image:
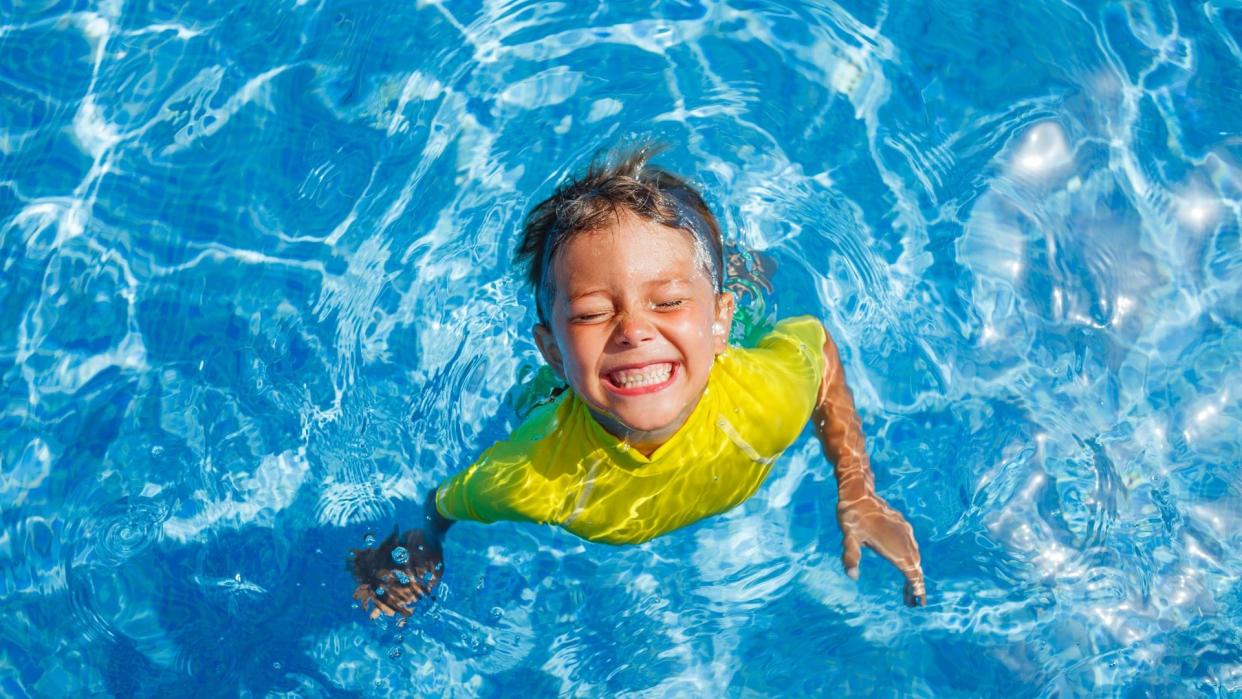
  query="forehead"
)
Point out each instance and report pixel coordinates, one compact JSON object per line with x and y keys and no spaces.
{"x":630,"y":247}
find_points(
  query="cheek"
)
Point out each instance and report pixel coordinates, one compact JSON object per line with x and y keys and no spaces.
{"x":697,"y":340}
{"x":580,"y":352}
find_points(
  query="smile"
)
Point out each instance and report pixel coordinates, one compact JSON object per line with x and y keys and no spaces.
{"x":633,"y":381}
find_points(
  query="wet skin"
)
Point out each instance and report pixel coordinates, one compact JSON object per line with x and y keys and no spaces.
{"x":374,"y":569}
{"x":864,"y":517}
{"x":634,"y":328}
{"x":631,"y":299}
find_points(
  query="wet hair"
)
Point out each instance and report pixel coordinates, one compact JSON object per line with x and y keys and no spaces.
{"x":622,"y":180}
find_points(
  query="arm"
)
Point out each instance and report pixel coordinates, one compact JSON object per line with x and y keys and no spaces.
{"x":864,"y":517}
{"x":390,"y":587}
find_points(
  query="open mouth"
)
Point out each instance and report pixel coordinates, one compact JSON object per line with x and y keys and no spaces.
{"x":649,"y":378}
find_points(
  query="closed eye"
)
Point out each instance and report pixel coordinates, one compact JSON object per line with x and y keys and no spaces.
{"x":670,"y":305}
{"x":593,"y":317}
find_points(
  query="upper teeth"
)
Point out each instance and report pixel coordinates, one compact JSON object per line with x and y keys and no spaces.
{"x":646,"y":376}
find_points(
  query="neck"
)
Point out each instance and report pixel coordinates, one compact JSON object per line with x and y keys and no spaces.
{"x":644,"y":442}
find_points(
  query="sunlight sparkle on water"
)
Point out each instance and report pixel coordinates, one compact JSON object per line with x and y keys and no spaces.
{"x":1198,"y":210}
{"x":1044,"y":151}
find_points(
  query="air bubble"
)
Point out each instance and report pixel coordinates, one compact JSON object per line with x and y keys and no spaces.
{"x":379,"y":591}
{"x":400,"y":555}
{"x":276,"y":666}
{"x":394,"y":653}
{"x":421,"y":547}
{"x":369,"y":540}
{"x":402,"y":578}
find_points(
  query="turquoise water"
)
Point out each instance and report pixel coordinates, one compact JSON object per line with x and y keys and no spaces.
{"x":257,"y":299}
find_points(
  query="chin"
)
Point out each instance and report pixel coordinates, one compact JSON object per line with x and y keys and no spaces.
{"x":646,"y":424}
{"x":640,"y":420}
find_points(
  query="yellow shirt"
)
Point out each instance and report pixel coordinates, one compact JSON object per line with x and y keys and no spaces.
{"x":563,"y":468}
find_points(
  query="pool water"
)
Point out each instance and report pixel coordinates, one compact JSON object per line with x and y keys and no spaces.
{"x":257,"y":299}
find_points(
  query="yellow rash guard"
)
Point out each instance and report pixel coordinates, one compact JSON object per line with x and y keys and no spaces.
{"x":563,"y":468}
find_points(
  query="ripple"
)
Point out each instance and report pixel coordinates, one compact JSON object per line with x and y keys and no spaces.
{"x":274,"y":240}
{"x":125,"y":529}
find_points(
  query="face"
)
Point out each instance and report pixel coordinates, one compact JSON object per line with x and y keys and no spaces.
{"x":635,"y":327}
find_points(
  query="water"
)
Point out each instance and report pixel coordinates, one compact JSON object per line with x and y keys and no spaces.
{"x":257,"y":299}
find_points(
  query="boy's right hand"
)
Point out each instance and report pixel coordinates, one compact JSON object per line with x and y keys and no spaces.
{"x":392,"y":588}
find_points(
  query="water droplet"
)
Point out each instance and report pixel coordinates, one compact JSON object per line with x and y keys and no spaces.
{"x":318,"y":550}
{"x":394,"y":653}
{"x":379,"y":683}
{"x":422,"y":548}
{"x":402,"y":578}
{"x":157,"y":450}
{"x":497,"y":612}
{"x":379,"y":591}
{"x":275,"y":666}
{"x":352,"y":554}
{"x":400,"y":556}
{"x":369,"y":540}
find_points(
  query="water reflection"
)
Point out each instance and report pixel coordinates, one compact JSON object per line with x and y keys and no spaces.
{"x":256,"y":298}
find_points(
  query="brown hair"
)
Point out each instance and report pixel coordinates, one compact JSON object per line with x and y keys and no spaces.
{"x":624,"y":180}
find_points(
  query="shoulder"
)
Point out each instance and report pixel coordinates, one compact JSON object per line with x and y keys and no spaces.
{"x":772,"y":388}
{"x":802,"y":335}
{"x":520,"y":477}
{"x":794,"y":346}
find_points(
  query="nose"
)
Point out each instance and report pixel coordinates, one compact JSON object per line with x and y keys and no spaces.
{"x":633,"y":329}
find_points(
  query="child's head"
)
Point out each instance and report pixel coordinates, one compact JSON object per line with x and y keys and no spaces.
{"x":627,"y":268}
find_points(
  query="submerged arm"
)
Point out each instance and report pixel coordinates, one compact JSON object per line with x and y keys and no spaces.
{"x":392,"y":587}
{"x":865,"y":518}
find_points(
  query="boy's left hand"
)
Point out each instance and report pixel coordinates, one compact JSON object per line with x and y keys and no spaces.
{"x":869,"y":521}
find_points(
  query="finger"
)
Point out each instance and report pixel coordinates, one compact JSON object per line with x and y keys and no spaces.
{"x":915,"y":596}
{"x":382,"y":607}
{"x":915,"y":589}
{"x":851,"y":555}
{"x":403,"y":595}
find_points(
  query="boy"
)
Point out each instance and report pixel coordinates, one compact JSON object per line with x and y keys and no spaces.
{"x":664,"y":423}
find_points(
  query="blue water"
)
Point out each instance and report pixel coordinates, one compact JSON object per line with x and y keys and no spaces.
{"x":257,"y":299}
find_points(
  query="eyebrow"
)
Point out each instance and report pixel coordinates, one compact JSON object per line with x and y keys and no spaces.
{"x":669,"y":281}
{"x":582,"y":294}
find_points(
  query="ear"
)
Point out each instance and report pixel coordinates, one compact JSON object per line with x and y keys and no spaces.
{"x":546,"y":342}
{"x":725,"y":305}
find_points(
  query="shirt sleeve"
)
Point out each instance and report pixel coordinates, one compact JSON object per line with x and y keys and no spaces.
{"x":512,"y":480}
{"x":774,"y":387}
{"x":799,"y":342}
{"x":490,"y":489}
